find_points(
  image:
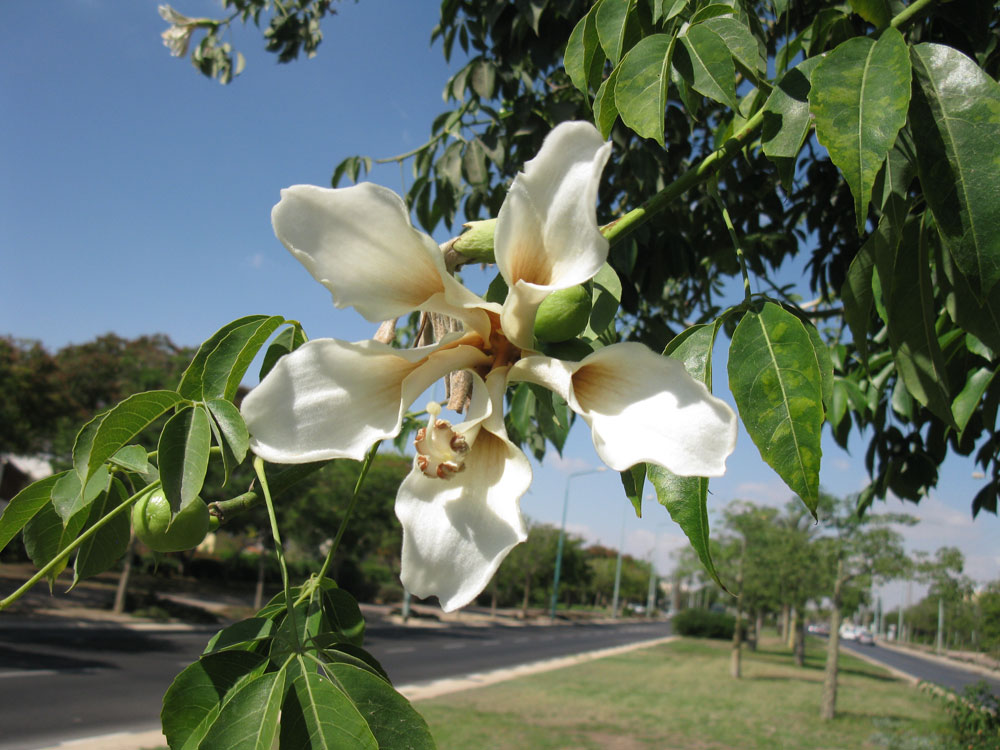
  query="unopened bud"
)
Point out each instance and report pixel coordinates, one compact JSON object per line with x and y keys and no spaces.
{"x":476,"y":242}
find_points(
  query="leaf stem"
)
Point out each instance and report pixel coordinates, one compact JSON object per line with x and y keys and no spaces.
{"x":282,"y":482}
{"x":713,"y":190}
{"x":909,"y":12}
{"x":617,"y":230}
{"x":350,"y":509}
{"x":72,"y":546}
{"x":258,"y":467}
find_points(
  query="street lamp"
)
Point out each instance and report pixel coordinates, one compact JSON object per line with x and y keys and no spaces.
{"x":562,"y":535}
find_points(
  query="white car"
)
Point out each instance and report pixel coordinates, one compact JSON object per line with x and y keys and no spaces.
{"x":848,"y":632}
{"x":864,"y":637}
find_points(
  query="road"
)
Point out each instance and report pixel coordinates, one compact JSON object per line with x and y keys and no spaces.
{"x":931,"y":670}
{"x":62,"y":680}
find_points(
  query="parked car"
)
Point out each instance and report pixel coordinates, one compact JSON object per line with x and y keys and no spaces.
{"x":864,"y":637}
{"x":819,"y":628}
{"x":848,"y":632}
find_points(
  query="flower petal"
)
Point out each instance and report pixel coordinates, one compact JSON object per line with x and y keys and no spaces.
{"x":359,"y":243}
{"x":332,"y":399}
{"x":457,"y":531}
{"x":641,"y":407}
{"x":546,"y":235}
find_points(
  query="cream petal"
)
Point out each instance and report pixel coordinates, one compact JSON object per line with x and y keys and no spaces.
{"x":546,"y":234}
{"x":333,"y":399}
{"x":359,"y":243}
{"x":641,"y":407}
{"x":457,"y":531}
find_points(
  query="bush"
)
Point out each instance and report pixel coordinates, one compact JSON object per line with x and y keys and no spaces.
{"x":975,"y":716}
{"x":703,"y":623}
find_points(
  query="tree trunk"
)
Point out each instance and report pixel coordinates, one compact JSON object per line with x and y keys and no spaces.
{"x":800,"y":641}
{"x":527,"y":596}
{"x":758,"y":626}
{"x":828,"y":706}
{"x":793,"y":623}
{"x":736,"y":660}
{"x":122,"y":591}
{"x":786,"y":611}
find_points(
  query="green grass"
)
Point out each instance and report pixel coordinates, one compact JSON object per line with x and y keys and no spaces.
{"x":680,"y":695}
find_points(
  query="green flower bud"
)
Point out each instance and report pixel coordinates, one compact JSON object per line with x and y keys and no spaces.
{"x":563,"y":314}
{"x":476,"y":242}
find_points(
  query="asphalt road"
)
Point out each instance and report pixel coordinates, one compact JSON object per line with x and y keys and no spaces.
{"x":63,"y":680}
{"x":931,"y":670}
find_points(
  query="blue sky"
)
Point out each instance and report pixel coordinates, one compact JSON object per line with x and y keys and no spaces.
{"x":136,"y":197}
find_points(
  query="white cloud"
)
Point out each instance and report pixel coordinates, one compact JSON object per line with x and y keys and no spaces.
{"x":566,"y":465}
{"x":257,"y":260}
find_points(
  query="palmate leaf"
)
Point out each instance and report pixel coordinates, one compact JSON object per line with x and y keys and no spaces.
{"x":192,"y":385}
{"x":287,"y":341}
{"x":778,"y":388}
{"x":605,"y":109}
{"x":859,"y":96}
{"x":686,"y":498}
{"x":640,"y":90}
{"x":605,"y":303}
{"x":46,"y":536}
{"x":955,"y":118}
{"x":226,"y":365}
{"x":786,"y":112}
{"x":197,"y":695}
{"x":634,"y":481}
{"x":745,"y":49}
{"x":317,"y":716}
{"x":249,"y":719}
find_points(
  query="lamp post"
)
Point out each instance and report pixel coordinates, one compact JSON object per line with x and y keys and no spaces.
{"x":562,"y":535}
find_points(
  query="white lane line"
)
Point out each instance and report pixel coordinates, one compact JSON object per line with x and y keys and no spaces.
{"x":453,"y":646}
{"x":29,"y":673}
{"x":400,"y":650}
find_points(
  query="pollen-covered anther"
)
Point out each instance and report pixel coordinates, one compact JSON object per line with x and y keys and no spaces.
{"x":440,"y":450}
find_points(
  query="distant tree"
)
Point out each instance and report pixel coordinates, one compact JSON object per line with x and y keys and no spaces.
{"x":33,"y":397}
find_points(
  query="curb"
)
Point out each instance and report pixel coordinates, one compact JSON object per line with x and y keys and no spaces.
{"x":947,"y":661}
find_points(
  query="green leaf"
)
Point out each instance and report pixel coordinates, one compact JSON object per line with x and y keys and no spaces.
{"x":705,"y":63}
{"x":242,"y":635}
{"x":318,"y":716}
{"x":713,"y":10}
{"x":46,"y":536}
{"x":860,"y":94}
{"x":344,"y":616}
{"x":133,"y":458}
{"x":686,"y":498}
{"x":107,"y":546}
{"x":390,"y":717}
{"x":955,"y":119}
{"x":126,"y":420}
{"x":345,"y":653}
{"x":67,"y":497}
{"x":876,"y":12}
{"x":786,"y":112}
{"x":742,"y":44}
{"x":634,"y":481}
{"x":196,"y":696}
{"x":182,"y":454}
{"x":483,"y":79}
{"x":605,"y":111}
{"x":228,"y":362}
{"x":607,"y":299}
{"x":965,"y":403}
{"x":856,"y":294}
{"x":249,"y":719}
{"x":778,"y":390}
{"x":232,"y":436}
{"x":287,"y":341}
{"x":83,"y":443}
{"x":614,"y":27}
{"x":905,"y":272}
{"x":522,"y":408}
{"x":982,"y":320}
{"x":640,"y":92}
{"x":825,"y":364}
{"x":584,"y":59}
{"x":25,"y":504}
{"x":191,"y":385}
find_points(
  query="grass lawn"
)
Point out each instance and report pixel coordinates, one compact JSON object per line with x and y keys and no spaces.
{"x":680,"y":695}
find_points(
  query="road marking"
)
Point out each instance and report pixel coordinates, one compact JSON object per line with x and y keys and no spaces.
{"x":490,"y":643}
{"x":400,"y":650}
{"x":29,"y":673}
{"x":522,"y":639}
{"x":453,"y":646}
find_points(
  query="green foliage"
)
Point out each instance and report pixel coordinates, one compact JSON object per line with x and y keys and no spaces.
{"x":703,"y":623}
{"x":975,"y":715}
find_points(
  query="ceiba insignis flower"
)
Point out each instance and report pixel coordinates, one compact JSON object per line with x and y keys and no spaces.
{"x":460,"y":504}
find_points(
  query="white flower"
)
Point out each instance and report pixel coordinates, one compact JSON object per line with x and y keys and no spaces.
{"x":460,"y":504}
{"x":177,"y":37}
